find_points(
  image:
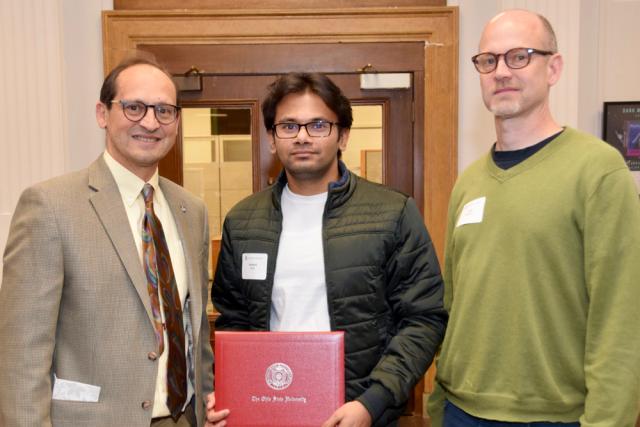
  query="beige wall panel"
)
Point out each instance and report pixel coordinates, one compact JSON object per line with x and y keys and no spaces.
{"x":32,"y":113}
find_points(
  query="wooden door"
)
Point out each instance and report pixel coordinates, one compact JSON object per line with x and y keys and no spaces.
{"x":238,"y":75}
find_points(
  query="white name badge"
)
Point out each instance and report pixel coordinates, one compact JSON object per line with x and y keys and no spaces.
{"x":472,"y":212}
{"x":254,"y":266}
{"x":74,"y":391}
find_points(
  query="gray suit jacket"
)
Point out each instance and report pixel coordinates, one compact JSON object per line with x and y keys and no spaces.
{"x":74,"y":303}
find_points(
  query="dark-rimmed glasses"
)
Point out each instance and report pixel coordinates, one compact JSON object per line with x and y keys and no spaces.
{"x":515,"y":59}
{"x":316,"y":128}
{"x":136,"y":110}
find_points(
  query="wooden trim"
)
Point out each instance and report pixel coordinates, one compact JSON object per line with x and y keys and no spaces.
{"x":280,"y":58}
{"x":437,"y":27}
{"x":123,"y":31}
{"x":266,"y":4}
{"x":440,"y":131}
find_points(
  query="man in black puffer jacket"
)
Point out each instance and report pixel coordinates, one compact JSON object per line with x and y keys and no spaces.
{"x":339,"y":253}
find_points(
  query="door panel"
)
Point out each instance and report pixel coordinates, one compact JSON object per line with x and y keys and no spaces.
{"x":218,"y":154}
{"x":397,"y":126}
{"x":279,"y":58}
{"x":398,"y":145}
{"x":239,"y":91}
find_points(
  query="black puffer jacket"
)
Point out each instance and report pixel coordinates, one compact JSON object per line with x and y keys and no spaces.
{"x":383,"y":284}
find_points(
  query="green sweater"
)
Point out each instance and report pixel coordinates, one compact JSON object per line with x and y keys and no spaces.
{"x":543,"y":289}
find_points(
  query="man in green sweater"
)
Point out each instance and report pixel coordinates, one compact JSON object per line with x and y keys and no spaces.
{"x":542,"y":263}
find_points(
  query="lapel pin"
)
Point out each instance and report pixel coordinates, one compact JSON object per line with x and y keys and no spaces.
{"x":183,"y":208}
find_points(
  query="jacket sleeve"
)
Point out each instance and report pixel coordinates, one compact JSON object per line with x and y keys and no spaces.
{"x":414,"y":293}
{"x":612,"y":271}
{"x":32,"y":282}
{"x":226,"y":292}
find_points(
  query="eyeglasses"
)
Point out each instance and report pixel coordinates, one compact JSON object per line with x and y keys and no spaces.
{"x":136,"y":110}
{"x":317,"y":128}
{"x":515,"y":59}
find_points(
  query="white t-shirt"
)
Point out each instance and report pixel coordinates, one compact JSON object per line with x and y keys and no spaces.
{"x":299,"y":296}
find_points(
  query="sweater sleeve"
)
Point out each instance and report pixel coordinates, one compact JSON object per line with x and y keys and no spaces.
{"x":612,"y":271}
{"x":415,"y":295}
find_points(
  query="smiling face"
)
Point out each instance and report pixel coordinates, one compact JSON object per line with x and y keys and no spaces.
{"x":509,"y":93}
{"x":139,"y":146}
{"x":310,"y":162}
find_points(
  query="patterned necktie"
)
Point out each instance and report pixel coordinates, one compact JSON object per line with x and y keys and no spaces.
{"x":159,"y":272}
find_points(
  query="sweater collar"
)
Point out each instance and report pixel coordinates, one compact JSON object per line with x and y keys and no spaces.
{"x":532,"y":161}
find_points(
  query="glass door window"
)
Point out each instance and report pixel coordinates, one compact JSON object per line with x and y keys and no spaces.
{"x":217,"y":159}
{"x":363,"y":155}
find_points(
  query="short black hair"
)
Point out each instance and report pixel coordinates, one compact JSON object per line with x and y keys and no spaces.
{"x":316,"y":83}
{"x":109,"y":86}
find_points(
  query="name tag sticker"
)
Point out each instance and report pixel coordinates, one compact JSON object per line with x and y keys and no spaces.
{"x":472,"y":212}
{"x":254,"y":266}
{"x":74,"y":391}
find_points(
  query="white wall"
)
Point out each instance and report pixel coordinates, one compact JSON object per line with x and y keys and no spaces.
{"x":32,"y":112}
{"x":475,"y":124}
{"x":50,"y":75}
{"x":619,"y":79}
{"x":616,"y":70}
{"x":83,"y":74}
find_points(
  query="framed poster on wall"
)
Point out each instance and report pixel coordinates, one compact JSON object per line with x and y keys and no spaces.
{"x":621,"y":128}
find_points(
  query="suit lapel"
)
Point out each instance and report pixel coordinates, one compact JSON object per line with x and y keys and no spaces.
{"x":107,"y":202}
{"x":190,"y":234}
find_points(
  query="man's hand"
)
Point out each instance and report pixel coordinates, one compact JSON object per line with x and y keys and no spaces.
{"x":351,"y":414}
{"x":215,"y":419}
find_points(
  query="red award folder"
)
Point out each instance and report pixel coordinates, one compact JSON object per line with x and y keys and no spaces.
{"x":283,"y":379}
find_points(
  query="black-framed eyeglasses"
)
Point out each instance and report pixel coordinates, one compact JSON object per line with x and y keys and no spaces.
{"x":316,"y":128}
{"x":515,"y":59}
{"x":136,"y":110}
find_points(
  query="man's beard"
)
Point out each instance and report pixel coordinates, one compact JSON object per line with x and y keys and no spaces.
{"x":308,"y":172}
{"x":504,"y":108}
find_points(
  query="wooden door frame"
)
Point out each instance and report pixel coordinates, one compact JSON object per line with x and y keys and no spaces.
{"x":436,"y":27}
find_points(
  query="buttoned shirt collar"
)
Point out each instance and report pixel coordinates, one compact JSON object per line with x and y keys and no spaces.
{"x":130,"y":184}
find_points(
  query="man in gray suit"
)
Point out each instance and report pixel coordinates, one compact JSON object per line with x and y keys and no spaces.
{"x":83,"y":333}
